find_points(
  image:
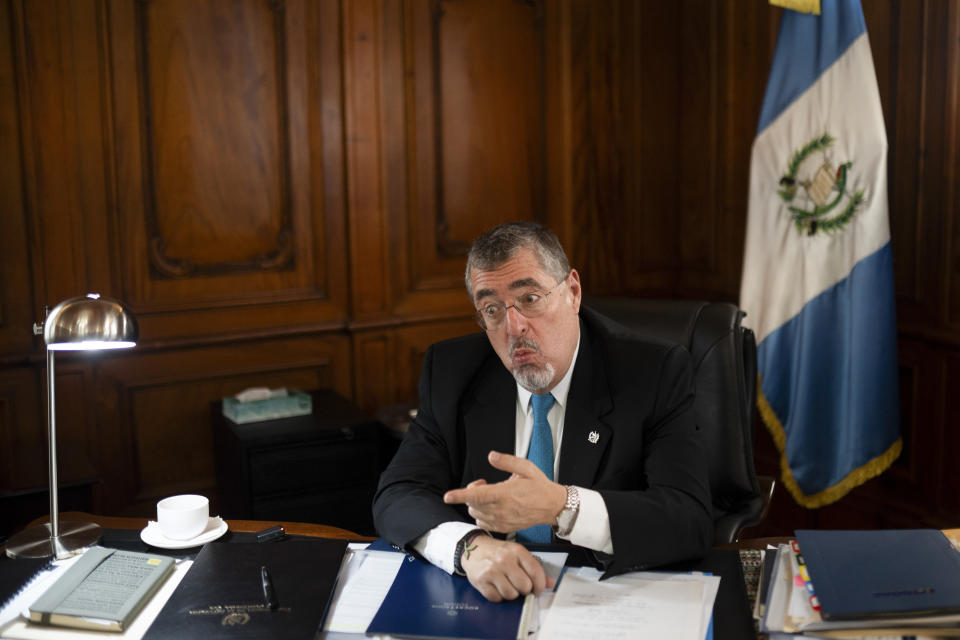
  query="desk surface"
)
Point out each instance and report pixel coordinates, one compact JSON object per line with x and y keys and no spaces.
{"x":324,"y":531}
{"x":732,"y":620}
{"x":731,"y":613}
{"x":247,"y":526}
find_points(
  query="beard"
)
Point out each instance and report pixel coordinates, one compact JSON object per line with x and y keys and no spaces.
{"x":532,"y":377}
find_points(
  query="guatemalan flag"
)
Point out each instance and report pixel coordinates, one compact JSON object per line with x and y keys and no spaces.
{"x":817,"y":275}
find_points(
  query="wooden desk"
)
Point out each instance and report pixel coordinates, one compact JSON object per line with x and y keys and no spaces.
{"x":731,"y":609}
{"x":244,"y":526}
{"x":317,"y":530}
{"x":324,"y":531}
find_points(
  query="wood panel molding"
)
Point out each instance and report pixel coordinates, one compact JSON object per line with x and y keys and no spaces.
{"x":907,"y":128}
{"x":219,"y":113}
{"x":411,"y":344}
{"x":374,"y":370}
{"x":16,"y":299}
{"x":155,"y":407}
{"x":363,"y":132}
{"x":648,"y":140}
{"x":949,"y":488}
{"x":22,"y":430}
{"x":235,"y":137}
{"x":517,"y":57}
{"x":388,"y":361}
{"x":467,"y":146}
{"x":23,"y":427}
{"x":952,"y":169}
{"x":62,"y":132}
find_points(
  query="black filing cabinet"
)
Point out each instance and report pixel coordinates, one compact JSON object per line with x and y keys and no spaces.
{"x":320,"y":468}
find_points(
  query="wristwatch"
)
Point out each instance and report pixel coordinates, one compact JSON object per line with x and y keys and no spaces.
{"x":568,"y":516}
{"x":463,"y":550}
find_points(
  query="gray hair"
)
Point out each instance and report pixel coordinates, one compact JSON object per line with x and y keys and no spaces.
{"x":501,"y":243}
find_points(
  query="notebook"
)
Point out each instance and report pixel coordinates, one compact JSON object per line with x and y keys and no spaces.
{"x":222,"y":595}
{"x":427,"y":602}
{"x":104,"y":590}
{"x":882,"y":573}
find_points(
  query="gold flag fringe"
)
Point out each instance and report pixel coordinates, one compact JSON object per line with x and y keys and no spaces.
{"x":855,"y":478}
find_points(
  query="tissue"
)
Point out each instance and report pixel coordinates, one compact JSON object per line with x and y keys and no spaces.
{"x":260,"y":403}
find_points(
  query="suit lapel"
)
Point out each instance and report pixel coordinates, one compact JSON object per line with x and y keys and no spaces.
{"x":585,"y":436}
{"x":490,"y":421}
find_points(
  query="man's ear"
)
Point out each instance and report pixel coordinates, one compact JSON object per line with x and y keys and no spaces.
{"x":576,"y":293}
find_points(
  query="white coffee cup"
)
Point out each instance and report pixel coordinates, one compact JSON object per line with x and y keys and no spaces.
{"x":183,"y":517}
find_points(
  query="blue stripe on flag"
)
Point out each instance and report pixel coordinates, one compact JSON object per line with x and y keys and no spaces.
{"x":821,"y":39}
{"x":832,"y":370}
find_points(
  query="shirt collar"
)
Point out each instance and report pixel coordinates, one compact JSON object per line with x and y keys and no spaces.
{"x":559,"y":391}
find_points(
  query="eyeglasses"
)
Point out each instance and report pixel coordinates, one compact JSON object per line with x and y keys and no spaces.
{"x":530,"y":304}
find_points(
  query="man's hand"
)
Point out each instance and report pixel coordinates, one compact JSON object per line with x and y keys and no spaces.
{"x":525,"y":499}
{"x":503,"y":570}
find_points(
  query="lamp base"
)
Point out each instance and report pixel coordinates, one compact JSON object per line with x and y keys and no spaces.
{"x":36,"y":542}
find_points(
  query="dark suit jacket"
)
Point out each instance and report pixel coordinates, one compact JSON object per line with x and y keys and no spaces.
{"x":648,"y":463}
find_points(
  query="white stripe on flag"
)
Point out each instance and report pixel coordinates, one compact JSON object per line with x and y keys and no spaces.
{"x":843,"y":102}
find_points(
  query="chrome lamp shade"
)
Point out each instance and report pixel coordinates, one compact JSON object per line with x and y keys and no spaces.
{"x":89,"y":323}
{"x":86,"y":323}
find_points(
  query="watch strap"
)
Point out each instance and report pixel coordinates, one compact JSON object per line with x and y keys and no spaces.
{"x":461,"y":548}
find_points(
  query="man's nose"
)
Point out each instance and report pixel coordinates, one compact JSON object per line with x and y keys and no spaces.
{"x":516,"y":322}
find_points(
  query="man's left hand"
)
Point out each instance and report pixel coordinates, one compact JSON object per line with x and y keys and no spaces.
{"x":525,"y":499}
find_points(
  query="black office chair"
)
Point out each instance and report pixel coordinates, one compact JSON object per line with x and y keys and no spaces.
{"x":725,"y":373}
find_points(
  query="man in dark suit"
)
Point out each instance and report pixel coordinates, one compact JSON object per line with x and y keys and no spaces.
{"x":548,"y":376}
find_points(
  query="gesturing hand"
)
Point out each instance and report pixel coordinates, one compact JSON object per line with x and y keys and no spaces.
{"x":525,"y":499}
{"x":503,"y":570}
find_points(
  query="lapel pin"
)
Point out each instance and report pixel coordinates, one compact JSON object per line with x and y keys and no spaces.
{"x":594,"y":437}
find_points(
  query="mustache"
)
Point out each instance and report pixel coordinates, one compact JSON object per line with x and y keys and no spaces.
{"x":523,"y":342}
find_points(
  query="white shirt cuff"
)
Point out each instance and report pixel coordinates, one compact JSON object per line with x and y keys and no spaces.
{"x":439,"y":544}
{"x":592,"y":526}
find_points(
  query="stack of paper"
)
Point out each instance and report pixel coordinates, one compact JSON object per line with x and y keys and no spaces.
{"x":633,"y":605}
{"x":636,"y":605}
{"x":881,"y":583}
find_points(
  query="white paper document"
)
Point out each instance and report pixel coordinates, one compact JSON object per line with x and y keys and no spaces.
{"x":364,"y":582}
{"x":636,"y":605}
{"x":552,"y":562}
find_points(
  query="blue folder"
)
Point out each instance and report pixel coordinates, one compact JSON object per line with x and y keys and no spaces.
{"x":882,"y":573}
{"x":428,"y":602}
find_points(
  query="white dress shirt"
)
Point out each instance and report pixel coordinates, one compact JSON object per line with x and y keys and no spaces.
{"x":592,"y":526}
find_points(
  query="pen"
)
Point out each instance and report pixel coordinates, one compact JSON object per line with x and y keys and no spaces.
{"x":269,"y":595}
{"x":273,"y":533}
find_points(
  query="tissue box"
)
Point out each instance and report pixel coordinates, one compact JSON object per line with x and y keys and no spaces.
{"x":295,"y":403}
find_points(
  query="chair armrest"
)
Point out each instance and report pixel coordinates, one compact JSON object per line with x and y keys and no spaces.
{"x":752,"y":512}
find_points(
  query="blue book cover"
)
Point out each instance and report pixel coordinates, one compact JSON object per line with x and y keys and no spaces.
{"x":381,"y":544}
{"x":427,"y":602}
{"x":882,"y":573}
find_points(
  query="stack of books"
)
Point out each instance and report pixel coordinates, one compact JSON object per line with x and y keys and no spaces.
{"x":878,"y":583}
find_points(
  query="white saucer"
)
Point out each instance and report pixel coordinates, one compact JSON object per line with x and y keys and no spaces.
{"x":153,"y":536}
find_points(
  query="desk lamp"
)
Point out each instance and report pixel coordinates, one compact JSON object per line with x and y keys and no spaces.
{"x":86,"y":323}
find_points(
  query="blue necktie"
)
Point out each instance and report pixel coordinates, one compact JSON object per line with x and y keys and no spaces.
{"x":540,"y":454}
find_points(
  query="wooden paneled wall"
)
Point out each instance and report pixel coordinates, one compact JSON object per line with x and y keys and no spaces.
{"x":283,"y":192}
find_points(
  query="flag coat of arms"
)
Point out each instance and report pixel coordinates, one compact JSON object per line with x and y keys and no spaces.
{"x":817,"y":280}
